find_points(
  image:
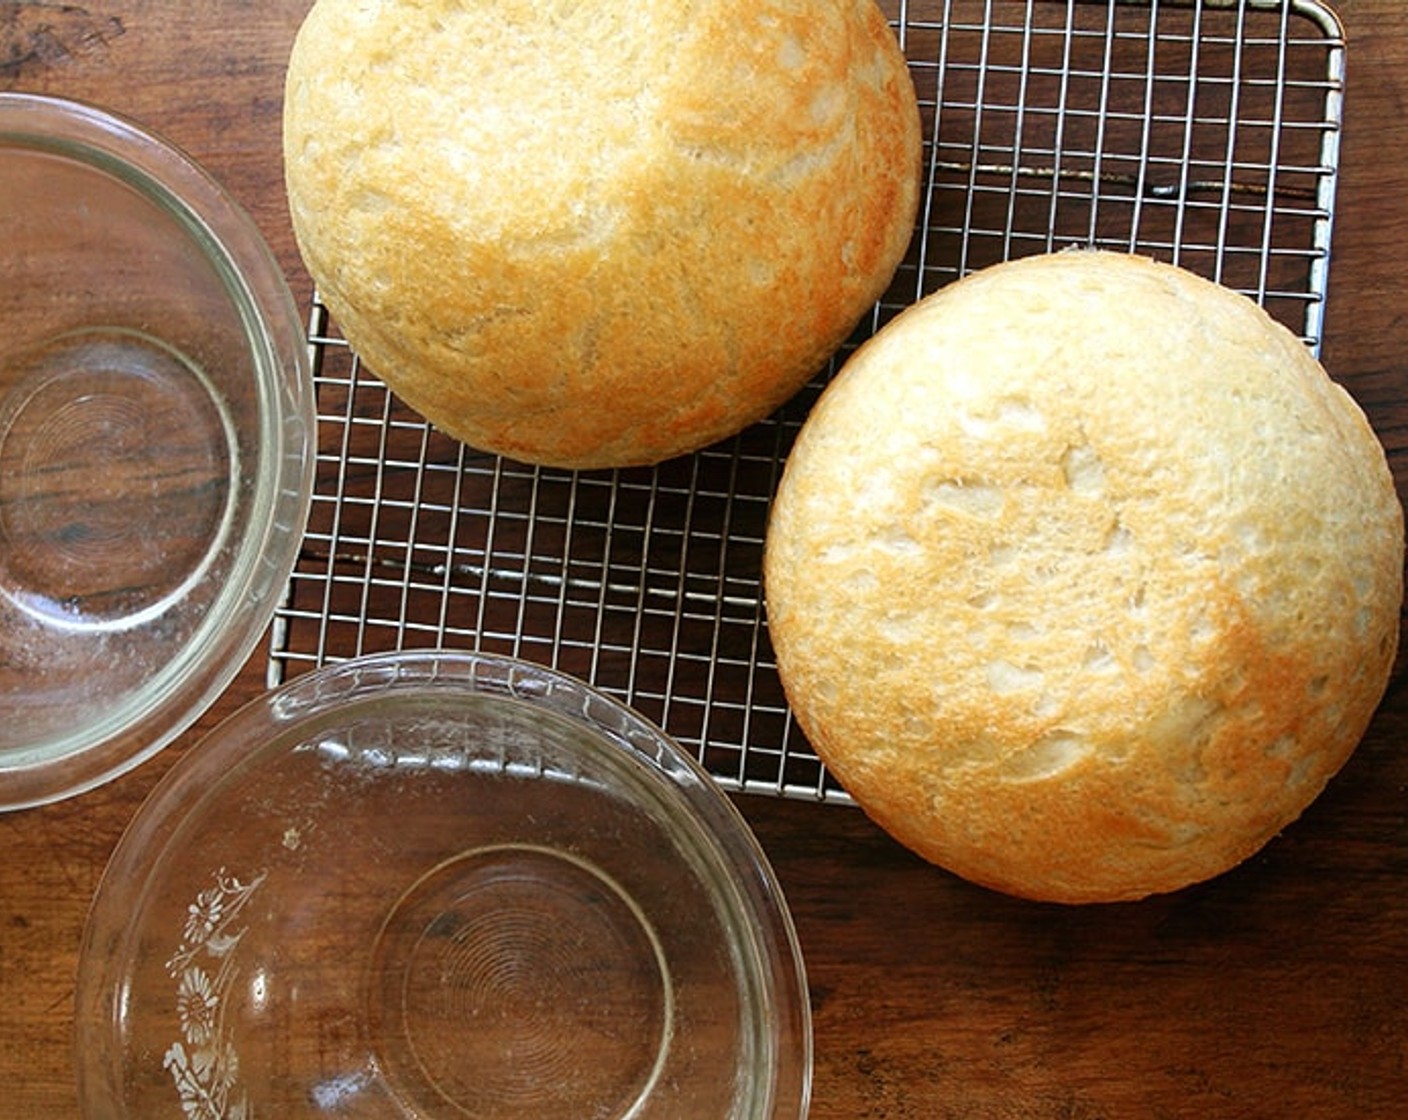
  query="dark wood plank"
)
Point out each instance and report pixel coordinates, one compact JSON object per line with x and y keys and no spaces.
{"x":1280,"y":989}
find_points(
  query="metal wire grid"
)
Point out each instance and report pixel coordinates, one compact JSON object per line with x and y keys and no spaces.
{"x":1204,"y":133}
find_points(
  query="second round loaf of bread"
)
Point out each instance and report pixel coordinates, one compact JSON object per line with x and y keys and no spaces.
{"x":1084,"y":577}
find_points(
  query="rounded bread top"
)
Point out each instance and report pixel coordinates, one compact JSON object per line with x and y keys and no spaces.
{"x":1084,"y":578}
{"x":599,"y":233}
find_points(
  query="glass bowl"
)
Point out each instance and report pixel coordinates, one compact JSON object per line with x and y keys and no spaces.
{"x":440,"y":885}
{"x":156,"y":420}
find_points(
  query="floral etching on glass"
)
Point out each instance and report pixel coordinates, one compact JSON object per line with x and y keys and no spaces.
{"x":204,"y":1064}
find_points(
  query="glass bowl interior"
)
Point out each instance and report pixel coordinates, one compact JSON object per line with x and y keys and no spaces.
{"x":441,"y":885}
{"x":156,"y":421}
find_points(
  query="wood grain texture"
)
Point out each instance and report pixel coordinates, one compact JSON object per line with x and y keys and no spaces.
{"x":1280,"y":989}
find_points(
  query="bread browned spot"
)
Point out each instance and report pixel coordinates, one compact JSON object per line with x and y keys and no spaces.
{"x":599,"y":233}
{"x":1084,"y":577}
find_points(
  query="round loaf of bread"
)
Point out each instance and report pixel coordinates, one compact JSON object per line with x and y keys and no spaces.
{"x":1084,"y":578}
{"x":599,"y":233}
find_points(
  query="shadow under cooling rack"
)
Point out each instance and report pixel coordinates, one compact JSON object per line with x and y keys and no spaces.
{"x":1204,"y":133}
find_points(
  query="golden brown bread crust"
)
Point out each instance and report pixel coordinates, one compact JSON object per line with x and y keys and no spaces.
{"x":1084,"y":578}
{"x":599,"y":233}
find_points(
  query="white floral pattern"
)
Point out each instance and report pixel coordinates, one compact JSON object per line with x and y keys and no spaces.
{"x":204,"y":1064}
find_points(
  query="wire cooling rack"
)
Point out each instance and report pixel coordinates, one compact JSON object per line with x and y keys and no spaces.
{"x":1203,"y":132}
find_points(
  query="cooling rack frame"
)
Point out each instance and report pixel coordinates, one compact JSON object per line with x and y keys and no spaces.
{"x":1204,"y":132}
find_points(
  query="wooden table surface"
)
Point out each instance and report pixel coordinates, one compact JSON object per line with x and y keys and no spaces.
{"x":1277,"y":990}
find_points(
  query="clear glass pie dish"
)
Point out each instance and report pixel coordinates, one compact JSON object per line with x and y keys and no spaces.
{"x":156,"y":427}
{"x":440,"y":885}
